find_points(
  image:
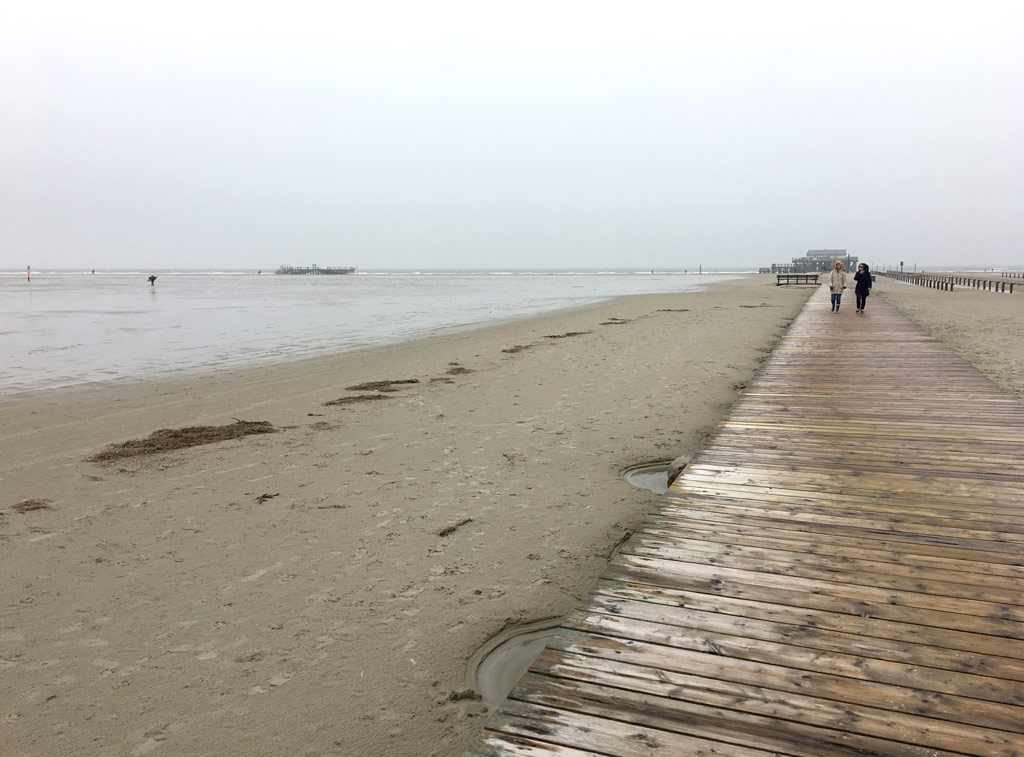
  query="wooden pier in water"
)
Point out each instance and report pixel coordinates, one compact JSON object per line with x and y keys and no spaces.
{"x":839,"y":571}
{"x":314,"y":270}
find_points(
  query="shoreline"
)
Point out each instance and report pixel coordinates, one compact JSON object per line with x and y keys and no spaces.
{"x":180,"y":345}
{"x":294,"y":588}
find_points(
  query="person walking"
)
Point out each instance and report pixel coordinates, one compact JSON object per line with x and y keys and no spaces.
{"x":836,"y":284}
{"x":863,"y":288}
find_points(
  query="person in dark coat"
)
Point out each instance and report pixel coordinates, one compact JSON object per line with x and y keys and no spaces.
{"x":863,"y":288}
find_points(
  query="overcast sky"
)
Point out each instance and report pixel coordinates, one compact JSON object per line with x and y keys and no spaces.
{"x":518,"y":134}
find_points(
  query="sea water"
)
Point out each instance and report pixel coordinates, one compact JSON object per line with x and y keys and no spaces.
{"x":67,"y":328}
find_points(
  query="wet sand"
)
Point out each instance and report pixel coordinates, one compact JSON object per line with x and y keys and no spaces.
{"x":319,"y":590}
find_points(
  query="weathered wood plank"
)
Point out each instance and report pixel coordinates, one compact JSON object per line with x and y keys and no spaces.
{"x":799,"y":599}
{"x":606,"y":735}
{"x":916,"y":559}
{"x":849,"y":655}
{"x":662,"y":699}
{"x":848,"y":569}
{"x":996,"y":657}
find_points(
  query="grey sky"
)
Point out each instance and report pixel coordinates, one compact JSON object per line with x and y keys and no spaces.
{"x":441,"y":134}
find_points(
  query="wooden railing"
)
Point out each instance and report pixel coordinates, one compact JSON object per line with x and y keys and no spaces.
{"x":920,"y":279}
{"x":947,"y":282}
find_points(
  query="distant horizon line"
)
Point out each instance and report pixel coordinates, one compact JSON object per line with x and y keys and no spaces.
{"x":254,"y":270}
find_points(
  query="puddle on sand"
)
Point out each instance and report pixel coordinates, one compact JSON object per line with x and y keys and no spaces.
{"x":651,"y":476}
{"x":499,"y":664}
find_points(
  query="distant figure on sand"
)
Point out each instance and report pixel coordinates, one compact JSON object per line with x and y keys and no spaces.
{"x":836,"y":284}
{"x":151,"y":280}
{"x":863,"y":288}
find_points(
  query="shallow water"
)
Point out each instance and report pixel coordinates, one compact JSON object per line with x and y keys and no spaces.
{"x":502,"y":669}
{"x":498,"y":665}
{"x":652,"y":476}
{"x":62,"y":329}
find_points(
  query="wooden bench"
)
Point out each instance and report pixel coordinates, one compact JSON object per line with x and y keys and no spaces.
{"x":796,"y":278}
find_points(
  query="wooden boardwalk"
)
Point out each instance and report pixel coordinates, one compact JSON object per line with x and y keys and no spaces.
{"x":838,"y":572}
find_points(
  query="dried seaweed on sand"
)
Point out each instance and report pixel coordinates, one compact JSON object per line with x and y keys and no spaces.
{"x":168,"y":439}
{"x":454,"y":527}
{"x":355,"y":398}
{"x":381,"y":386}
{"x":28,"y":505}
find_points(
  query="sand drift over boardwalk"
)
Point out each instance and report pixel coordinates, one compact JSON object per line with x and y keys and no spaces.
{"x":320,"y":590}
{"x":63,"y":330}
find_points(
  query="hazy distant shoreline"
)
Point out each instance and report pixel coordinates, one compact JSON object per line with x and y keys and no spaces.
{"x":389,"y":271}
{"x":68,"y":329}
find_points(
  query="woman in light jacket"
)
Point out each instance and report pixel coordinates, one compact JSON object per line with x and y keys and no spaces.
{"x":836,"y":284}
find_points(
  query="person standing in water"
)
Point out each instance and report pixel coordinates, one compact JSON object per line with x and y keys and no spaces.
{"x":836,"y":284}
{"x":863,"y":288}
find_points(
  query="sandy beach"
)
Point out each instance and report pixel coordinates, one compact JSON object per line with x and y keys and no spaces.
{"x":984,"y":328}
{"x":290,"y":592}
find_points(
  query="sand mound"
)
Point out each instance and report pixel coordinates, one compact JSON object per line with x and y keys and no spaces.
{"x":167,"y":439}
{"x":381,"y":386}
{"x":28,"y":505}
{"x":356,"y":398}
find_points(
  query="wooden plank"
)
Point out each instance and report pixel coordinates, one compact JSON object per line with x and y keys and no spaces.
{"x":869,"y":549}
{"x":986,"y":549}
{"x":799,"y":599}
{"x":492,"y":744}
{"x":751,"y":683}
{"x":845,"y":653}
{"x":662,"y":699}
{"x":996,"y":657}
{"x":909,"y":525}
{"x":916,"y":577}
{"x":605,"y":735}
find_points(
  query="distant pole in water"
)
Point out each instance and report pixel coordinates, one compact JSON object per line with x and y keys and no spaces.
{"x":700,"y":269}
